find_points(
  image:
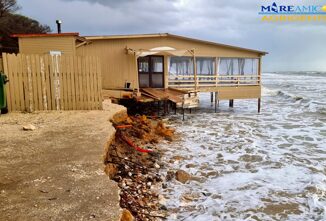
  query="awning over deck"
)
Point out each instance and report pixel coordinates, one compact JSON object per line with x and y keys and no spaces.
{"x":164,"y":50}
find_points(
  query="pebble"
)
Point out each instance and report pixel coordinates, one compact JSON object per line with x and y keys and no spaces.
{"x":182,"y":176}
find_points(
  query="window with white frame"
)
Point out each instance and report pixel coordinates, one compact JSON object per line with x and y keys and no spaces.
{"x":238,"y":66}
{"x":205,"y":65}
{"x":181,"y":66}
{"x":185,"y":66}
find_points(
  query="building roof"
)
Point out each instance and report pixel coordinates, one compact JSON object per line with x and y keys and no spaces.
{"x":45,"y":35}
{"x":109,"y":37}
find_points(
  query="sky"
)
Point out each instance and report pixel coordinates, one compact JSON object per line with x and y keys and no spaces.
{"x":292,"y":46}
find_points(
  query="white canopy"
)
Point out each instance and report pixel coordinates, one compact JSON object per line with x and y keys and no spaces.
{"x":165,"y":50}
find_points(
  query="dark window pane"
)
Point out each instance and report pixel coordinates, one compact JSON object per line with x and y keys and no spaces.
{"x":143,"y":64}
{"x":157,"y":64}
{"x":157,"y":80}
{"x":143,"y":80}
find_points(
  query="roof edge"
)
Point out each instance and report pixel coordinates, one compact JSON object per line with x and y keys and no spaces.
{"x":108,"y":37}
{"x":218,"y":44}
{"x":44,"y":35}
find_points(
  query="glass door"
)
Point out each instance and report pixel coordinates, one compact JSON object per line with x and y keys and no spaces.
{"x":151,"y":71}
{"x":143,"y":71}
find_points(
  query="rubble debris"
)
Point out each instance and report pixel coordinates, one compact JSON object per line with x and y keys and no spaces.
{"x":132,"y":161}
{"x":126,"y":216}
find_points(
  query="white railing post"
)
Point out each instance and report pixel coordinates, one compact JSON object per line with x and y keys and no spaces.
{"x":217,"y":65}
{"x":195,"y":69}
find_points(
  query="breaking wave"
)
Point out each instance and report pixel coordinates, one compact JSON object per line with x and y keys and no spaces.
{"x":288,"y":95}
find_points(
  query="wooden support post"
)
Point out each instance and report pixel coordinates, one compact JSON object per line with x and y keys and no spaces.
{"x":175,"y":108}
{"x":212,"y":97}
{"x":215,"y":102}
{"x":137,"y":76}
{"x":190,"y":110}
{"x":168,"y":106}
{"x":195,"y":70}
{"x":164,"y":111}
{"x":259,"y":101}
{"x":183,"y":113}
{"x":231,"y":103}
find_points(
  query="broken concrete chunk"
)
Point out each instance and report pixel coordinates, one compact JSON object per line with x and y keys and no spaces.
{"x":29,"y":127}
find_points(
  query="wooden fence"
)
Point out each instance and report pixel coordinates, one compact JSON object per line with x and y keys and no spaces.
{"x":52,"y":82}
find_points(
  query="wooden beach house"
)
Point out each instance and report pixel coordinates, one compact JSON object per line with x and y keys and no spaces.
{"x":160,"y":66}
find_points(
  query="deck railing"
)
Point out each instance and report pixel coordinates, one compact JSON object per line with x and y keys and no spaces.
{"x":190,"y":81}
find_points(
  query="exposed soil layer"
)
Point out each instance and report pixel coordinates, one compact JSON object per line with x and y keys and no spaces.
{"x":133,"y":162}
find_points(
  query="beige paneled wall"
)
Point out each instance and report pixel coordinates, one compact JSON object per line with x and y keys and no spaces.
{"x":118,"y":66}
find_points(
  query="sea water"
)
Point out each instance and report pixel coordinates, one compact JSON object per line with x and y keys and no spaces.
{"x":250,"y":166}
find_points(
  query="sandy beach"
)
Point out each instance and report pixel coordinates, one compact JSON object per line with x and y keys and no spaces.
{"x":56,"y":171}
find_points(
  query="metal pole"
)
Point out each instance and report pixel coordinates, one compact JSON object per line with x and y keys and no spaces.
{"x":58,"y":25}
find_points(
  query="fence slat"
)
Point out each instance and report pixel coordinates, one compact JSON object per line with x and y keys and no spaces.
{"x":80,"y":79}
{"x":69,"y":84}
{"x":84,"y":86}
{"x":12,"y":67}
{"x":43,"y":84}
{"x":25,"y":81}
{"x":65,"y":82}
{"x":14,"y":76}
{"x":20,"y":82}
{"x":48,"y":81}
{"x":72,"y":80}
{"x":76,"y":80}
{"x":87,"y":78}
{"x":34,"y":80}
{"x":99,"y":83}
{"x":8,"y":88}
{"x":30,"y":84}
{"x":61,"y":86}
{"x":91,"y":82}
{"x":39,"y":82}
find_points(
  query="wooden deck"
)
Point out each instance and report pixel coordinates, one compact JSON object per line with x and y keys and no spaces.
{"x":175,"y":96}
{"x":181,"y":98}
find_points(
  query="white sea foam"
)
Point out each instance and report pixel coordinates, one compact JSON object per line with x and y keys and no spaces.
{"x":269,"y":92}
{"x":249,"y":166}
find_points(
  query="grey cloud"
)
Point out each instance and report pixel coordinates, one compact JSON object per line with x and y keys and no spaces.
{"x":233,"y":22}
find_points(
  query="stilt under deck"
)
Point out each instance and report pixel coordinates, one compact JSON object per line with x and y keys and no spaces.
{"x":188,"y":99}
